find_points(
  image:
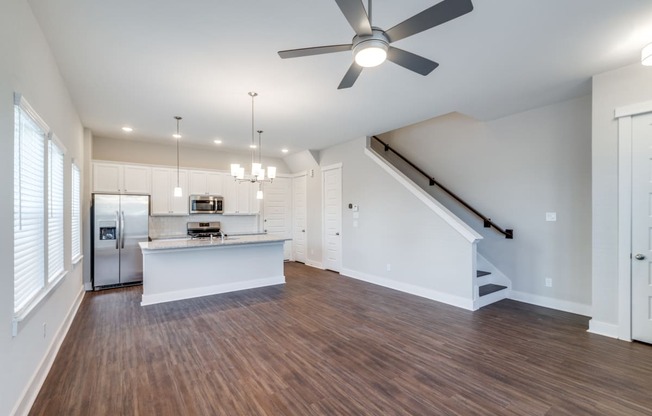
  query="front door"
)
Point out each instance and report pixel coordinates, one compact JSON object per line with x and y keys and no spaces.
{"x":642,"y":228}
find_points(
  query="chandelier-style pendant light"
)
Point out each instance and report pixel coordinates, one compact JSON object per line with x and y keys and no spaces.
{"x":258,"y":173}
{"x":178,"y":192}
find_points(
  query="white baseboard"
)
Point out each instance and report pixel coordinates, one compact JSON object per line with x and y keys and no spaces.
{"x":546,"y":302}
{"x":603,"y":328}
{"x":88,"y":286}
{"x":315,"y":264}
{"x":210,"y":290}
{"x":446,"y":298}
{"x":32,"y":389}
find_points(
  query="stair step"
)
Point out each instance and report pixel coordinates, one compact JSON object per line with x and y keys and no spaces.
{"x":481,"y":273}
{"x":490,"y":288}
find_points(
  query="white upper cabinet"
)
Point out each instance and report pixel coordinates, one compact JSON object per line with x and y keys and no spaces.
{"x":164,"y":180}
{"x":205,"y":183}
{"x":121,"y":179}
{"x":240,"y":198}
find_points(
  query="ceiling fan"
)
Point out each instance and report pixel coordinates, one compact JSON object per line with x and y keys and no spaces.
{"x":371,"y":45}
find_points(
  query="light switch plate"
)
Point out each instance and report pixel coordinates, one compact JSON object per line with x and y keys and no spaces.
{"x":551,"y":216}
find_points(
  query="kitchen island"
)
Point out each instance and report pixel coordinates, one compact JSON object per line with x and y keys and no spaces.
{"x":187,"y":268}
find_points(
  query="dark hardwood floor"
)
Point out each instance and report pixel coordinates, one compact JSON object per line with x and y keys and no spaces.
{"x":328,"y":345}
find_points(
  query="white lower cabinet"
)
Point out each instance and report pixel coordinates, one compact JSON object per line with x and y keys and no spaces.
{"x":164,"y":180}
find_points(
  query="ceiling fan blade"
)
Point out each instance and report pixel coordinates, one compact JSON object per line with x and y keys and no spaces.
{"x":317,"y":50}
{"x":356,"y":14}
{"x":410,"y":61}
{"x":439,"y":13}
{"x":351,"y":76}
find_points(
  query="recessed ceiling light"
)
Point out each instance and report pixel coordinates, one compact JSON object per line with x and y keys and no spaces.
{"x":176,"y":135}
{"x":252,"y":146}
{"x":284,"y":150}
{"x":127,"y":129}
{"x":217,"y":141}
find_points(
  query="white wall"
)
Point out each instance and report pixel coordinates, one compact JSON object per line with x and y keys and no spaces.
{"x":28,"y":67}
{"x":514,"y":170}
{"x":123,"y":150}
{"x":427,"y":256}
{"x":629,"y":85}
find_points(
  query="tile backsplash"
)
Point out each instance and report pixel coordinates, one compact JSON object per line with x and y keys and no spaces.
{"x":167,"y":227}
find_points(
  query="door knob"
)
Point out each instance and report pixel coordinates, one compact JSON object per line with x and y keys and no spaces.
{"x":639,"y":257}
{"x":337,"y":233}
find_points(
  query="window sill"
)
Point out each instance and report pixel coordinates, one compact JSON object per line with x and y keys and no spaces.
{"x":24,"y":314}
{"x":77,"y":259}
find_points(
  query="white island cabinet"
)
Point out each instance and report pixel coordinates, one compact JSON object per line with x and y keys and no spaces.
{"x":184,"y":268}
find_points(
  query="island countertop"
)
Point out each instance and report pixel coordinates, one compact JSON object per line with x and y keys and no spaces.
{"x":188,"y":243}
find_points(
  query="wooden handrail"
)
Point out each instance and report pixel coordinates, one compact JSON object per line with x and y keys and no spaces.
{"x":508,"y":233}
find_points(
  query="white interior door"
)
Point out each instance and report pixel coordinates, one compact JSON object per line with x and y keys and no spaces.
{"x":332,"y":188}
{"x":642,"y":229}
{"x":277,"y":211}
{"x":299,"y":211}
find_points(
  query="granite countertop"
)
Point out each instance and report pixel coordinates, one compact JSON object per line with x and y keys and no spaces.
{"x":185,"y":242}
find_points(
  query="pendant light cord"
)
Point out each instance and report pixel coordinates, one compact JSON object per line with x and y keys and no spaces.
{"x":253,"y":143}
{"x":178,"y":137}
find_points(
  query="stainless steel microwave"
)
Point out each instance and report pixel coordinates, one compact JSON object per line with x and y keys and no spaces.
{"x":206,"y":204}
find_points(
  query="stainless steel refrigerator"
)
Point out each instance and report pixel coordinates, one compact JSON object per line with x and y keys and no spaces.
{"x":120,"y":222}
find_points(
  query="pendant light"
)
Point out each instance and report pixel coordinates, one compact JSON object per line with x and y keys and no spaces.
{"x":178,"y":192}
{"x":258,"y":173}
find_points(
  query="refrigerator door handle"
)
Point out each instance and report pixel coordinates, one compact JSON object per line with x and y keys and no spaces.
{"x":122,"y":229}
{"x":117,"y":222}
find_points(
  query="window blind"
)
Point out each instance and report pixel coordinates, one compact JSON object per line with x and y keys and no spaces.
{"x":29,"y":207}
{"x":55,"y":210}
{"x":76,"y":214}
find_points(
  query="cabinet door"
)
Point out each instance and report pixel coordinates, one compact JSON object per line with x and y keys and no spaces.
{"x":244,"y":197}
{"x":137,"y":179}
{"x":230,"y":196}
{"x":179,"y":205}
{"x":197,"y":183}
{"x":161,"y":191}
{"x":215,"y":183}
{"x":107,"y":178}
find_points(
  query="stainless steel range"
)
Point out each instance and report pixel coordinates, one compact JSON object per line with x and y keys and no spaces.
{"x":204,"y":229}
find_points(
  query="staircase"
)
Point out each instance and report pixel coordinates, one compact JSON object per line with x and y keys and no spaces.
{"x":490,"y":284}
{"x":487,"y":289}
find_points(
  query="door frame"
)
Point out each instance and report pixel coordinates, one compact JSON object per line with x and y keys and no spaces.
{"x":323,"y":213}
{"x":625,"y":116}
{"x":305,"y":242}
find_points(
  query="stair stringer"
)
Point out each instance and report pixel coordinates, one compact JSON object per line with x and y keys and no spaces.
{"x":453,"y":220}
{"x":495,"y":277}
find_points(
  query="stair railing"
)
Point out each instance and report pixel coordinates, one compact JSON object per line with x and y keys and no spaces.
{"x":487,"y":223}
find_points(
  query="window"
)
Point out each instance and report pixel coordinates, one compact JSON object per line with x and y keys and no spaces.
{"x":76,"y":214}
{"x":55,"y":209}
{"x":38,"y":208}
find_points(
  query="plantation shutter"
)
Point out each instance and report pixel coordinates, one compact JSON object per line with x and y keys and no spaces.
{"x":30,"y":139}
{"x":55,"y":210}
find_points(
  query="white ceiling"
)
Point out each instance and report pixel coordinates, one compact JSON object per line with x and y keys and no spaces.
{"x":139,"y":63}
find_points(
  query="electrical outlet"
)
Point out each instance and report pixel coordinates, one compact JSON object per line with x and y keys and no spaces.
{"x":389,"y":267}
{"x":551,"y":216}
{"x":548,"y":282}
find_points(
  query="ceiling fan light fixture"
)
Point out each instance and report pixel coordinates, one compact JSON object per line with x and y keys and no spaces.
{"x":370,"y":53}
{"x":646,"y":55}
